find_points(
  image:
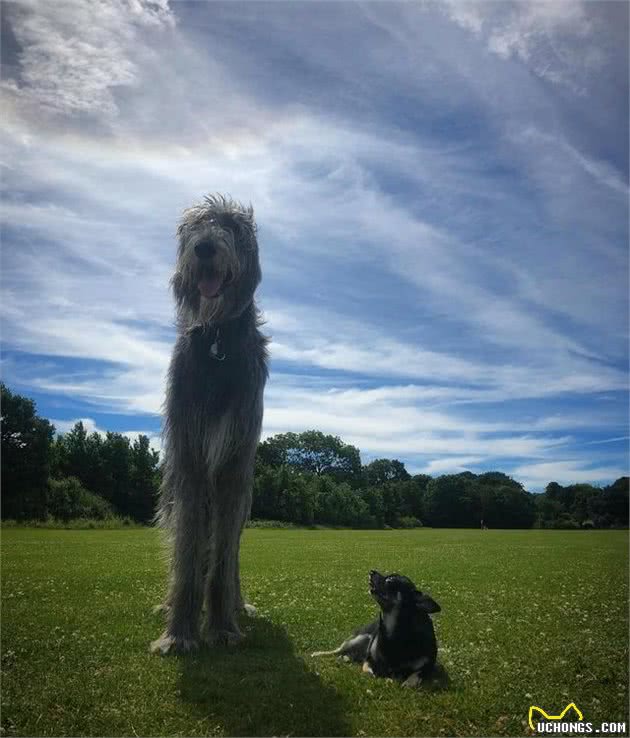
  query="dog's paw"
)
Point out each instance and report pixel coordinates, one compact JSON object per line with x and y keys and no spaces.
{"x":223,"y":637}
{"x":249,"y":610}
{"x":167,"y":644}
{"x":414,"y":680}
{"x":367,"y":669}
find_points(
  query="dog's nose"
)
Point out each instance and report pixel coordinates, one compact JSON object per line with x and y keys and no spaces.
{"x":204,"y":249}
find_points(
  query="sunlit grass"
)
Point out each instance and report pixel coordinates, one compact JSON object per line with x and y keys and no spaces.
{"x":529,"y":617}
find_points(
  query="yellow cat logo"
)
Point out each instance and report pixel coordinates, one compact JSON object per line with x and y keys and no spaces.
{"x":546,"y":715}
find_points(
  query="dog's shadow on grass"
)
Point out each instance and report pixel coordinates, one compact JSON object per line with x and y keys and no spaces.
{"x":261,"y":687}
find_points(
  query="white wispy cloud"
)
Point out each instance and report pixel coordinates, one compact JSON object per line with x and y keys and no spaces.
{"x":554,"y":39}
{"x":75,"y":54}
{"x":569,"y":471}
{"x":388,"y":420}
{"x":449,"y":465}
{"x":468,"y":269}
{"x":601,"y":172}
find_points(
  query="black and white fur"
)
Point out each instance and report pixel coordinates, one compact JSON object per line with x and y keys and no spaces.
{"x":401,"y":642}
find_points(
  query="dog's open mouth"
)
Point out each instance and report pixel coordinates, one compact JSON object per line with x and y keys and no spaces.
{"x":211,"y":283}
{"x":377,"y":584}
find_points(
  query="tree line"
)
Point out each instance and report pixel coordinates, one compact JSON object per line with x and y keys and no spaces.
{"x":72,"y":475}
{"x":307,"y":478}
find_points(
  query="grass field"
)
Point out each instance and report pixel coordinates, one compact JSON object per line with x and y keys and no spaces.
{"x":528,"y":617}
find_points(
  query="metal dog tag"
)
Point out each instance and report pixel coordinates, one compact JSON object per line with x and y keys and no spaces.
{"x":214,"y":352}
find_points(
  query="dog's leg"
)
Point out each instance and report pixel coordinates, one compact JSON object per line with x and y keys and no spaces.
{"x":243,"y":607}
{"x":413,"y":680}
{"x":186,"y":585}
{"x":249,"y":610}
{"x":230,"y":506}
{"x":247,"y":464}
{"x":222,"y":597}
{"x":367,"y":669}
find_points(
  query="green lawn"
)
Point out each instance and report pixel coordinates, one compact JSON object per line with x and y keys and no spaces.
{"x":528,"y":617}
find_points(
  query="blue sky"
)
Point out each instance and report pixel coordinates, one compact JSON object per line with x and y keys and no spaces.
{"x":442,"y":198}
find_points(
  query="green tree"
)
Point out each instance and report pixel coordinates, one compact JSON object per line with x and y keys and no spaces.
{"x":548,"y":510}
{"x":411,"y":495}
{"x":116,"y":458}
{"x":506,"y":506}
{"x":581,"y":501}
{"x":560,"y":494}
{"x":452,"y":500}
{"x":421,"y":481}
{"x":25,"y":444}
{"x":392,"y":504}
{"x":143,"y":480}
{"x":68,"y":499}
{"x":75,"y":461}
{"x":324,"y":491}
{"x":265,"y":503}
{"x":373,"y":499}
{"x":615,"y":502}
{"x":313,"y":452}
{"x":503,"y":501}
{"x":380,"y":471}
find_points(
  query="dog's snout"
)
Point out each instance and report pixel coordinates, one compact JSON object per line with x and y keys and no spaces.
{"x":205,"y":249}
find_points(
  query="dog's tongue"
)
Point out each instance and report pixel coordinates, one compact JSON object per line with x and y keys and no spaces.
{"x":209,"y":286}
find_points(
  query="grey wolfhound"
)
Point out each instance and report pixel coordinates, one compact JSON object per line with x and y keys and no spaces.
{"x":214,"y":406}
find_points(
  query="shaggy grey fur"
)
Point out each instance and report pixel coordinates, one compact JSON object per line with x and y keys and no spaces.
{"x":214,"y":406}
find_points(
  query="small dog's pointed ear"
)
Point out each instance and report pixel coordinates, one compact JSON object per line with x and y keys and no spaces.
{"x":426,"y":603}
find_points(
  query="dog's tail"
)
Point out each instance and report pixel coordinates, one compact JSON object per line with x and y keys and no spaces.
{"x":336,"y":652}
{"x":354,"y":648}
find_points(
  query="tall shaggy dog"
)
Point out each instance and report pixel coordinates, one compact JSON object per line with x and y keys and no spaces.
{"x":214,"y":406}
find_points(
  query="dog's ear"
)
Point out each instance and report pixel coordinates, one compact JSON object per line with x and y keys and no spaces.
{"x":426,"y":604}
{"x":177,"y":285}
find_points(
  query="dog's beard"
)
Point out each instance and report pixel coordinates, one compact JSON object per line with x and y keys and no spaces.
{"x":210,"y":310}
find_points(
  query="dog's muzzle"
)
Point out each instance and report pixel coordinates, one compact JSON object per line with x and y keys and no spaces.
{"x":377,"y":583}
{"x":212,"y":278}
{"x":205,"y":250}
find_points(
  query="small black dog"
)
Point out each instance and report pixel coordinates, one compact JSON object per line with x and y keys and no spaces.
{"x":401,"y":642}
